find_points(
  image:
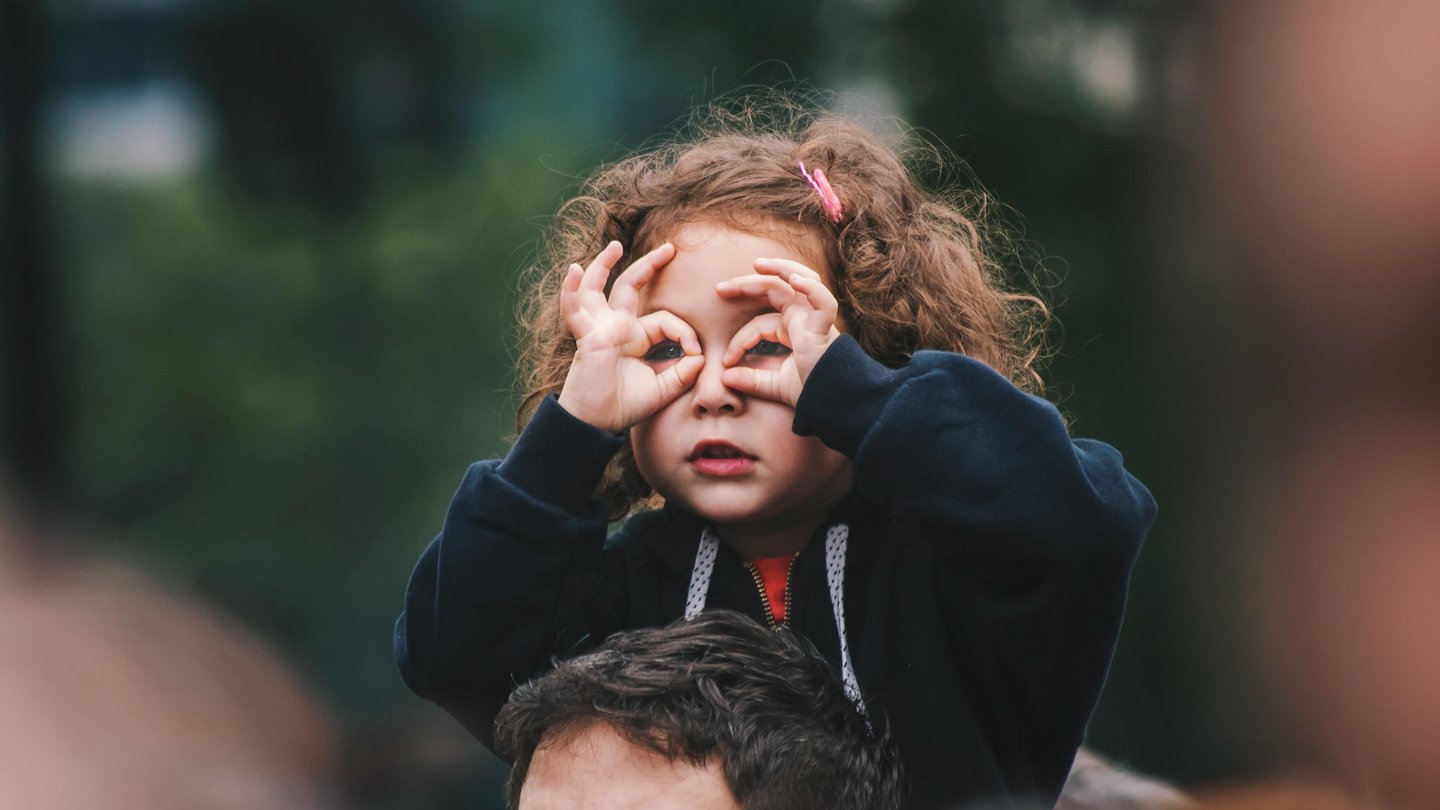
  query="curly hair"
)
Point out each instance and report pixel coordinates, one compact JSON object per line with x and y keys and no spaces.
{"x":912,"y":268}
{"x":763,"y":704}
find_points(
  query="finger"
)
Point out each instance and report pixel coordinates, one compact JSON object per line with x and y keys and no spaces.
{"x":599,"y":270}
{"x":674,"y":380}
{"x":769,"y":326}
{"x":625,"y":293}
{"x":662,"y":325}
{"x":570,"y":284}
{"x":825,"y":309}
{"x":572,"y":309}
{"x":776,"y":291}
{"x":785,"y":268}
{"x":762,"y":383}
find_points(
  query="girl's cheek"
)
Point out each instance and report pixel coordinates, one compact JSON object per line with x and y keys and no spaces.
{"x":641,"y":447}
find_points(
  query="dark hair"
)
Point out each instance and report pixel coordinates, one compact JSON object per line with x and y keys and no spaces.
{"x":720,"y":687}
{"x":912,"y":268}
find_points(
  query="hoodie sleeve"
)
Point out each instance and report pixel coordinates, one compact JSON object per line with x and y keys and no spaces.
{"x":949,"y":442}
{"x":520,"y":543}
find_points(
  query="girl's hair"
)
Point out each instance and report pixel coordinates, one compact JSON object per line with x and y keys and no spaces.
{"x":912,"y":269}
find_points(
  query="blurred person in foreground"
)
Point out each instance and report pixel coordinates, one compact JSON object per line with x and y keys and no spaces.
{"x":713,"y":712}
{"x":1323,"y":119}
{"x":117,"y":694}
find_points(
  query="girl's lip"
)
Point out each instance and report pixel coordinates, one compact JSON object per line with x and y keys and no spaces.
{"x":697,"y":453}
{"x":723,"y":467}
{"x":736,"y":462}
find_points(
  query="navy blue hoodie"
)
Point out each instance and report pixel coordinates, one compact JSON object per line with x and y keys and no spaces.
{"x":985,"y":578}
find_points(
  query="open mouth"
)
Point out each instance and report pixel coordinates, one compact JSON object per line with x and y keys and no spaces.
{"x":721,"y":459}
{"x":719,"y":451}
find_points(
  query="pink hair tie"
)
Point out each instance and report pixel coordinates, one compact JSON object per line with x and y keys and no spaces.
{"x":829,"y":200}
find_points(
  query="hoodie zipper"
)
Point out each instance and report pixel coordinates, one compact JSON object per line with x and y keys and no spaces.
{"x":765,"y":598}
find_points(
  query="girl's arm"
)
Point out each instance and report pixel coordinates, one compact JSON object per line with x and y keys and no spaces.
{"x":498,"y":593}
{"x":518,"y":574}
{"x":947,"y":441}
{"x":1025,"y":536}
{"x":944,"y":440}
{"x":1031,"y":535}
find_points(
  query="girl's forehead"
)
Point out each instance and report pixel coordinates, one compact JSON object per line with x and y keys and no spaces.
{"x":765,"y":238}
{"x":692,"y":296}
{"x":705,"y":255}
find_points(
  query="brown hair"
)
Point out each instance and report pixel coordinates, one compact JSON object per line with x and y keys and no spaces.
{"x":763,"y":704}
{"x":912,"y":269}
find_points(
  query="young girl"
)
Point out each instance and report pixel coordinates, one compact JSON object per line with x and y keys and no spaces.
{"x":798,"y":374}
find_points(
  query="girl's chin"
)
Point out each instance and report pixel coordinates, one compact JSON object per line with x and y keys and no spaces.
{"x":726,"y":513}
{"x":721,"y":510}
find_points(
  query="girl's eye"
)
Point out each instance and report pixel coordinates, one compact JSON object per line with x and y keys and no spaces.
{"x":768,"y":348}
{"x":665,"y":350}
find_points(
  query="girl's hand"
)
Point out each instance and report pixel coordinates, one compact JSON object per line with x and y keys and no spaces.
{"x":626,"y":367}
{"x":773,"y":355}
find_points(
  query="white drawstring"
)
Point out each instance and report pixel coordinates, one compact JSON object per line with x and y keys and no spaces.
{"x":700,"y":574}
{"x":836,"y":542}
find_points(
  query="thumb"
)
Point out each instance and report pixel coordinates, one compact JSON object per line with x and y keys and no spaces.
{"x":674,"y":380}
{"x":762,"y":383}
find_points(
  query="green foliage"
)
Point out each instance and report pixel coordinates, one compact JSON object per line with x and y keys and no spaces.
{"x":276,"y":409}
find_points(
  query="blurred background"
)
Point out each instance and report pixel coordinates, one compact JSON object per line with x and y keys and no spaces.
{"x":259,"y":264}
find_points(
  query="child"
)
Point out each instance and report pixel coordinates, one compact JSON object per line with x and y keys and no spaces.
{"x":810,"y":360}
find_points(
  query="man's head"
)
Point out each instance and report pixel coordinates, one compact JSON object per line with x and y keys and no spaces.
{"x":714,"y":712}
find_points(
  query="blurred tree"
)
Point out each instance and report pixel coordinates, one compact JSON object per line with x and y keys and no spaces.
{"x":309,"y":98}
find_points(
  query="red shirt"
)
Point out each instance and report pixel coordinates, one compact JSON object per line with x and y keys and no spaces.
{"x":775,"y":576}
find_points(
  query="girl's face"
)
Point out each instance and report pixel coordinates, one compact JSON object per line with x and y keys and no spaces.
{"x":725,"y":455}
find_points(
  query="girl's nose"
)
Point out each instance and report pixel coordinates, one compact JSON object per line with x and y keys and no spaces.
{"x":711,"y":396}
